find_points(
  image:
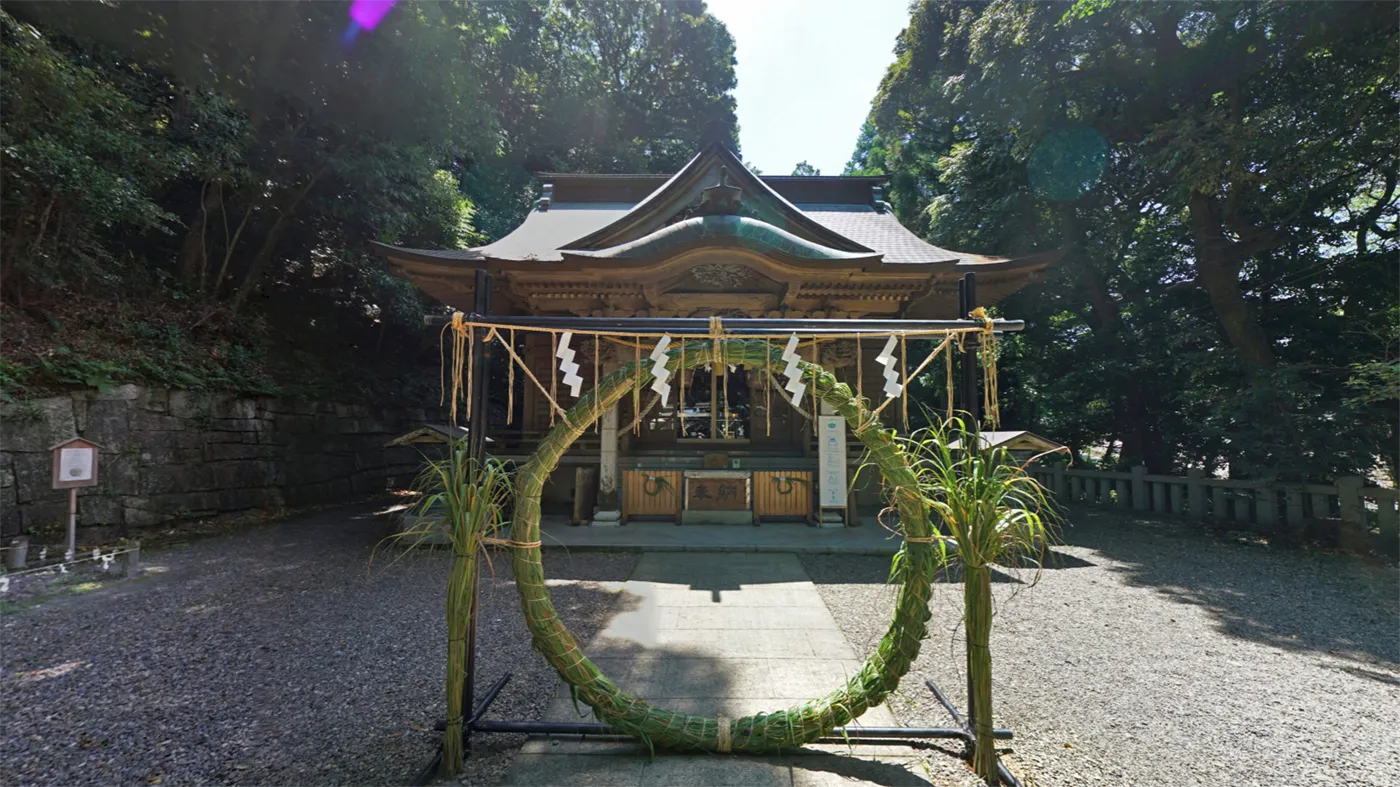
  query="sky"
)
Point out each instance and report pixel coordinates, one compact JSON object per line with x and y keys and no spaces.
{"x":808,"y":70}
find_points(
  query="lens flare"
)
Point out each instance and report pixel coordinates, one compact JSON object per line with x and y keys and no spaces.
{"x":1067,"y":163}
{"x":369,"y":13}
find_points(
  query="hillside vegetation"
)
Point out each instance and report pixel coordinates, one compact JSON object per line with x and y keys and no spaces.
{"x":189,"y":189}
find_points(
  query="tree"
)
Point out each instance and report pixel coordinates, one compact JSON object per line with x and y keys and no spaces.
{"x":803,"y":168}
{"x":1212,"y":268}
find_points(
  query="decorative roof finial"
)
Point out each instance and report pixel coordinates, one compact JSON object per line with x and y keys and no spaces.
{"x":721,"y":199}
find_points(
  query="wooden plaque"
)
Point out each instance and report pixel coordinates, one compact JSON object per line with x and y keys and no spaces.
{"x":75,"y":463}
{"x":717,"y":494}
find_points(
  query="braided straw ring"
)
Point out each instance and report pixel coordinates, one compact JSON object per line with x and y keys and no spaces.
{"x":667,"y":729}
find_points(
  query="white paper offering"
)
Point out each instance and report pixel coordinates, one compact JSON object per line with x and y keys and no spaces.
{"x":75,"y":464}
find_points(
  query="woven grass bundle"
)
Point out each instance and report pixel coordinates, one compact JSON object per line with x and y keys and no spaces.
{"x":662,"y":728}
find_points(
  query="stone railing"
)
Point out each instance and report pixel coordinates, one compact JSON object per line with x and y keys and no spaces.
{"x":1368,"y":511}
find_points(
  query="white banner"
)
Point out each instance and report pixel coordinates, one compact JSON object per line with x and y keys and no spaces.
{"x":831,"y":462}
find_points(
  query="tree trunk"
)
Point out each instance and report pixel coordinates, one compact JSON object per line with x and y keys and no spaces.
{"x":1218,"y":264}
{"x":194,"y":251}
{"x":259,"y":262}
{"x":977,"y":617}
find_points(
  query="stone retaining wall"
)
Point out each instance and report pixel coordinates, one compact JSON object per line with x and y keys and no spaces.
{"x":168,"y":455}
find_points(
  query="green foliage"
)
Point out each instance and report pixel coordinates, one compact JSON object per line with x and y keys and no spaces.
{"x":1223,"y":178}
{"x":993,"y":512}
{"x":465,"y":499}
{"x":223,"y":166}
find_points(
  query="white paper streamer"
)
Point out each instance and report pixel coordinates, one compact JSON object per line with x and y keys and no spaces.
{"x":567,"y":365}
{"x":662,"y":383}
{"x":887,"y":360}
{"x":793,"y":372}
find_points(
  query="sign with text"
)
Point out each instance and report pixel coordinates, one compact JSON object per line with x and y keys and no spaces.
{"x":717,"y":493}
{"x":831,"y":462}
{"x":75,"y":464}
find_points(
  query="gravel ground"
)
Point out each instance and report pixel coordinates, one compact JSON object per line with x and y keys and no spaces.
{"x":1159,"y":655}
{"x":277,"y":655}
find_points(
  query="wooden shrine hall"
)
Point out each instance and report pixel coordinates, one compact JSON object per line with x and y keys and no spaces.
{"x":712,"y":240}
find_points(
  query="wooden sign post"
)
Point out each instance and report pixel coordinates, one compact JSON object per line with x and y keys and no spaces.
{"x":74,"y":465}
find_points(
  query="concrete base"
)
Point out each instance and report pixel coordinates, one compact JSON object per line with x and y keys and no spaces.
{"x":832,"y":518}
{"x":606,"y":519}
{"x":716,"y":517}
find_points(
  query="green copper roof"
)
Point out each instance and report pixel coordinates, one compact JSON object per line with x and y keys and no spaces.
{"x":741,"y":230}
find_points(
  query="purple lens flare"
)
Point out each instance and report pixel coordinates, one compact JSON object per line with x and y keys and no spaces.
{"x":369,"y":13}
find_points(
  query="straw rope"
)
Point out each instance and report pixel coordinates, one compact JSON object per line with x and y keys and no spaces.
{"x":794,"y":726}
{"x":729,"y":335}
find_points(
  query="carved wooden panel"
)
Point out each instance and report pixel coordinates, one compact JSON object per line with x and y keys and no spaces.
{"x":651,"y":493}
{"x":786,"y":493}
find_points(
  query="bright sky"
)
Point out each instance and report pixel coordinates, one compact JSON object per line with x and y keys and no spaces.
{"x":808,"y":70}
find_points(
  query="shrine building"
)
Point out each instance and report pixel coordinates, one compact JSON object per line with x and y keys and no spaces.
{"x":712,"y":240}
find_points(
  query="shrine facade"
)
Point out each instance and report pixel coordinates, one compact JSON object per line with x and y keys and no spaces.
{"x":713,"y":240}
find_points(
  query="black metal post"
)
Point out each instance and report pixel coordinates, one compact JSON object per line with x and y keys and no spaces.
{"x":971,"y":416}
{"x":476,"y":447}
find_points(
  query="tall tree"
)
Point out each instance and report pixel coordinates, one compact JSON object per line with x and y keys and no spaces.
{"x":1213,"y":168}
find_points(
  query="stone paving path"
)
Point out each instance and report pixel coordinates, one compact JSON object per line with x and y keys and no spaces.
{"x":710,"y":633}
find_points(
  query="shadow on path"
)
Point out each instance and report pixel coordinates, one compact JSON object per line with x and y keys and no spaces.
{"x":1288,"y":598}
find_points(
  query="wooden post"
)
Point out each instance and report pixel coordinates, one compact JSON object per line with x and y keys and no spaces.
{"x":1196,"y":492}
{"x":72,"y":525}
{"x":1139,"y":488}
{"x":1178,"y":493}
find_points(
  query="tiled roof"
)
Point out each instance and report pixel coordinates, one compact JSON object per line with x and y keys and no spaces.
{"x":542,"y":233}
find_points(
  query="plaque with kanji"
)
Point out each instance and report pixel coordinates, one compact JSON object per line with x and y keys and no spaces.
{"x":717,"y":492}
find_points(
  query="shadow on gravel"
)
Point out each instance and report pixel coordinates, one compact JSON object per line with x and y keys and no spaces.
{"x":854,"y":769}
{"x":1291,"y":599}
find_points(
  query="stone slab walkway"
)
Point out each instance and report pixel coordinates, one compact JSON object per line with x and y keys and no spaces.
{"x":712,"y":633}
{"x":868,"y":539}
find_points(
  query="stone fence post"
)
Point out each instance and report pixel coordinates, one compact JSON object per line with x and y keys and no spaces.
{"x":1140,"y":488}
{"x":1349,"y":500}
{"x":18,"y":553}
{"x":1196,"y":492}
{"x":1057,"y":480}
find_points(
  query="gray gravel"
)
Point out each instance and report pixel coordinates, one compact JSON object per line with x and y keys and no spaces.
{"x":1158,"y":655}
{"x":272,"y":656}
